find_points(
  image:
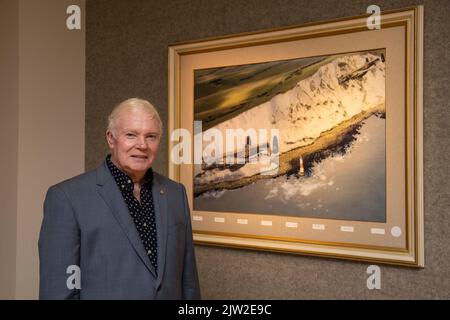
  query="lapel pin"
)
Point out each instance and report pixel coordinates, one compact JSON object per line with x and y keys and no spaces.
{"x":161,"y":191}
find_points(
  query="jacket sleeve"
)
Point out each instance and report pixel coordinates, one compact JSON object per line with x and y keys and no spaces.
{"x":59,"y":248}
{"x":191,"y":287}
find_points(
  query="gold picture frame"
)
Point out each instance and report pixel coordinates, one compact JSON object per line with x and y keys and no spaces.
{"x":398,"y":238}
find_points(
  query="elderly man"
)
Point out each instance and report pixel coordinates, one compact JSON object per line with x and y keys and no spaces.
{"x":121,"y":231}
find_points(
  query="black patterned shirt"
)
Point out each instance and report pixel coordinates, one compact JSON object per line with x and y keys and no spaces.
{"x":143,"y":213}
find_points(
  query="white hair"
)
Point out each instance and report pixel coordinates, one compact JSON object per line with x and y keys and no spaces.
{"x":132,"y":105}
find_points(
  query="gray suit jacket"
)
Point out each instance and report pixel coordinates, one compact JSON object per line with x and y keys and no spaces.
{"x":87,"y":223}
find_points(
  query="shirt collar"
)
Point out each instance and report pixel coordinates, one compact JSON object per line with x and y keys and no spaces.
{"x":123,"y":180}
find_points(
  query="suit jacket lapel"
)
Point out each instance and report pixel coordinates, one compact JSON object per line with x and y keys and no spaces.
{"x":110,"y":193}
{"x":160,"y":203}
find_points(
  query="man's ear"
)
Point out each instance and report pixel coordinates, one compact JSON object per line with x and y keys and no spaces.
{"x":109,"y":139}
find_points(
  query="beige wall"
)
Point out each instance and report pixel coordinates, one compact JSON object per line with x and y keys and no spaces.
{"x":9,"y":68}
{"x":49,"y":122}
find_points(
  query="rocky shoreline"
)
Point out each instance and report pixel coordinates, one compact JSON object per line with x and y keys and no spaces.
{"x":333,"y":141}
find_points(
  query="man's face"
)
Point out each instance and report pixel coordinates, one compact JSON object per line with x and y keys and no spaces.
{"x":136,"y":142}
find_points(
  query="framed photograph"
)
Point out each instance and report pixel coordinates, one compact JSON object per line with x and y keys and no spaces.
{"x":305,"y":139}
